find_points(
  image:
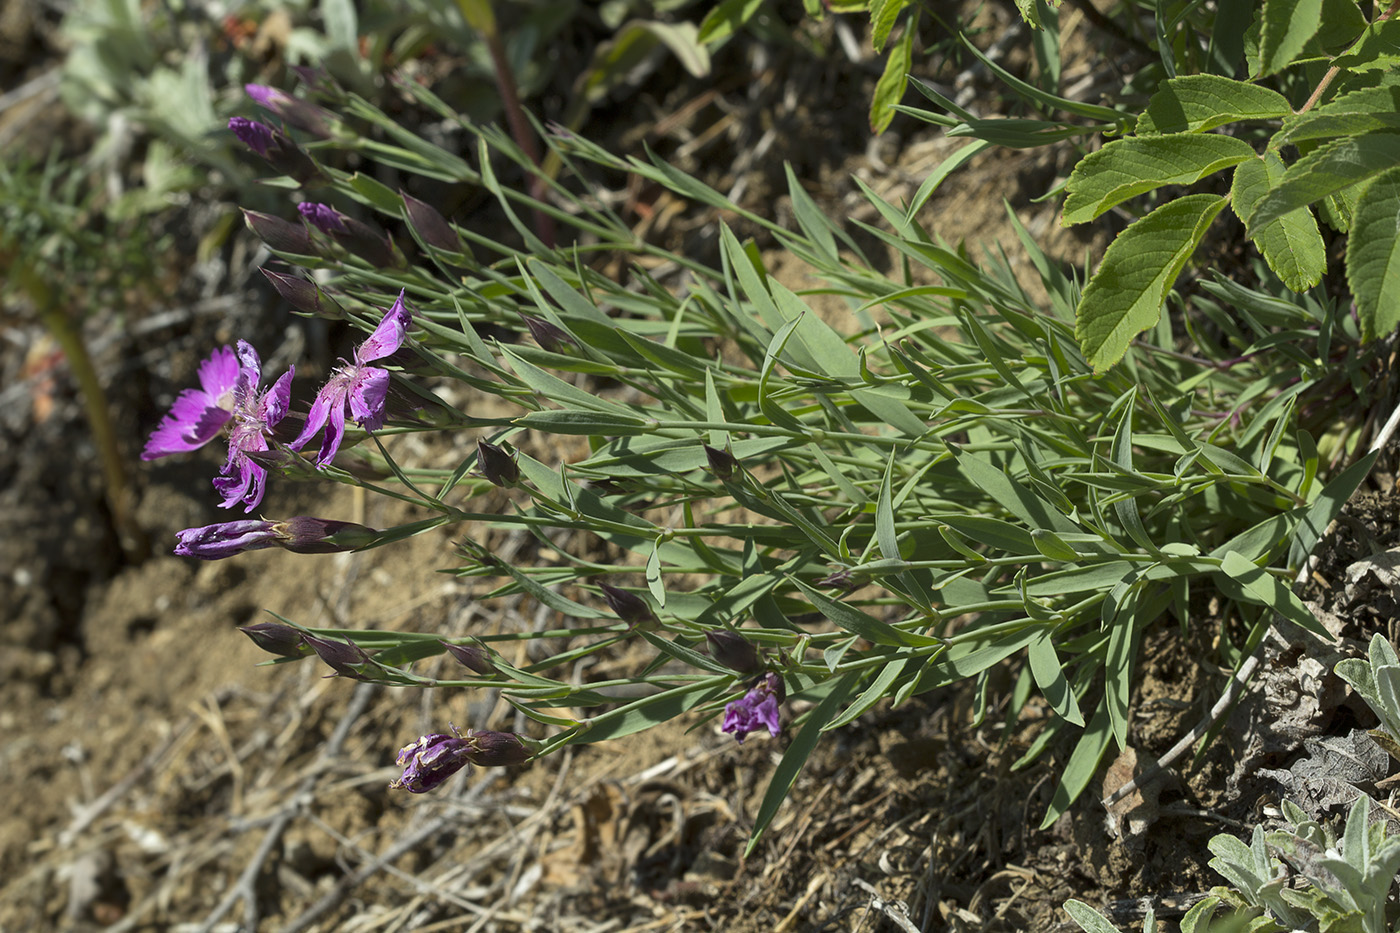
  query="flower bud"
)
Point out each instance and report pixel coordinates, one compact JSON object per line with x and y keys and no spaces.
{"x":496,"y":465}
{"x":629,"y":607}
{"x":305,"y":296}
{"x":431,"y":760}
{"x":307,"y":535}
{"x":432,"y":228}
{"x":473,"y":657}
{"x":347,"y":659}
{"x":549,"y":336}
{"x":357,"y":238}
{"x":497,"y":749}
{"x":225,"y":539}
{"x":722,"y":463}
{"x":279,"y":235}
{"x":733,"y":651}
{"x":276,"y":147}
{"x":276,"y":638}
{"x":294,"y":110}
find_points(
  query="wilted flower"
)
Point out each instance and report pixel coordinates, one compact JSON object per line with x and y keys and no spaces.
{"x":197,"y":414}
{"x":435,"y":757}
{"x":356,"y":386}
{"x":757,"y":709}
{"x":254,"y":415}
{"x":629,"y":607}
{"x":225,"y":539}
{"x":297,"y":112}
{"x":733,"y":651}
{"x":276,"y":147}
{"x":359,"y":238}
{"x":276,"y":638}
{"x":496,"y":465}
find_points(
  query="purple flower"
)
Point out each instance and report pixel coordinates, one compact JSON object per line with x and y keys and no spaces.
{"x":435,"y":757}
{"x":225,"y":539}
{"x":359,"y":387}
{"x":254,"y":414}
{"x":323,"y":217}
{"x":757,"y":709}
{"x":197,"y":414}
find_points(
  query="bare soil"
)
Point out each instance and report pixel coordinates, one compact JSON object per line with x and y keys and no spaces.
{"x":160,"y":777}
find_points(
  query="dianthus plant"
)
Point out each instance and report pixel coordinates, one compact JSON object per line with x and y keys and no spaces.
{"x":796,"y":516}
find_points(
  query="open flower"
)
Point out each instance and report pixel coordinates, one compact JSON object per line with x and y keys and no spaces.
{"x":757,"y":709}
{"x":356,"y":386}
{"x":254,"y":415}
{"x":197,"y":414}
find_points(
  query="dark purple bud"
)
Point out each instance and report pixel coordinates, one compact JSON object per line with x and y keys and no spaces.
{"x":307,"y":535}
{"x":323,"y":217}
{"x":432,"y":228}
{"x":358,"y":238}
{"x":757,"y":709}
{"x":305,"y":296}
{"x":473,"y":657}
{"x":225,"y":539}
{"x":497,"y":749}
{"x":431,"y":760}
{"x":733,"y":651}
{"x":496,"y":465}
{"x":347,"y":659}
{"x":842,"y":580}
{"x":276,"y":638}
{"x":629,"y":607}
{"x":280,"y":235}
{"x":319,"y":81}
{"x":722,"y":463}
{"x":548,"y":336}
{"x":297,"y":112}
{"x":276,"y":147}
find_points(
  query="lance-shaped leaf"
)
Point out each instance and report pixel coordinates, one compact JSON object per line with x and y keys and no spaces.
{"x":1328,"y":170}
{"x":1292,"y":244}
{"x":1125,"y":296}
{"x":1126,"y":168}
{"x":1197,"y":103}
{"x":1373,"y":255}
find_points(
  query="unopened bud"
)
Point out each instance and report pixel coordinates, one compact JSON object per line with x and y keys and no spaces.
{"x":280,"y":151}
{"x":307,"y":535}
{"x":497,"y":749}
{"x":722,"y":463}
{"x":473,"y":657}
{"x":297,"y":112}
{"x":549,"y":336}
{"x":496,"y":465}
{"x":280,"y":235}
{"x":304,"y":295}
{"x":347,"y":659}
{"x":432,"y":228}
{"x":629,"y":607}
{"x":733,"y":651}
{"x":276,"y":638}
{"x":356,"y":237}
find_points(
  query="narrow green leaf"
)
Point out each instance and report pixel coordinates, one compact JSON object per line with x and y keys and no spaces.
{"x":1128,"y":167}
{"x":1329,"y":503}
{"x":1050,"y":678}
{"x":726,"y":19}
{"x":796,"y":756}
{"x":1082,"y":764}
{"x":649,"y":711}
{"x":889,"y":90}
{"x":1373,"y":256}
{"x":1326,"y":170}
{"x":863,"y":624}
{"x":1198,"y":103}
{"x":1286,"y":27}
{"x":1125,"y":296}
{"x":878,"y":689}
{"x":586,"y":423}
{"x":1264,"y":587}
{"x":1292,"y":245}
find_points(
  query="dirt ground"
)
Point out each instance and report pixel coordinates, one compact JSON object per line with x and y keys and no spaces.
{"x":160,"y":777}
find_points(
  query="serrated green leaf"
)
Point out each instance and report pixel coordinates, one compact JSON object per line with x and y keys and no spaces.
{"x":1378,"y":47}
{"x":1287,"y":25}
{"x":1292,"y":245}
{"x":1373,"y":256}
{"x":1352,"y":114}
{"x":883,"y":14}
{"x":1125,"y":295}
{"x":889,"y":90}
{"x":1197,"y":103}
{"x":1126,"y":168}
{"x":1326,"y":170}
